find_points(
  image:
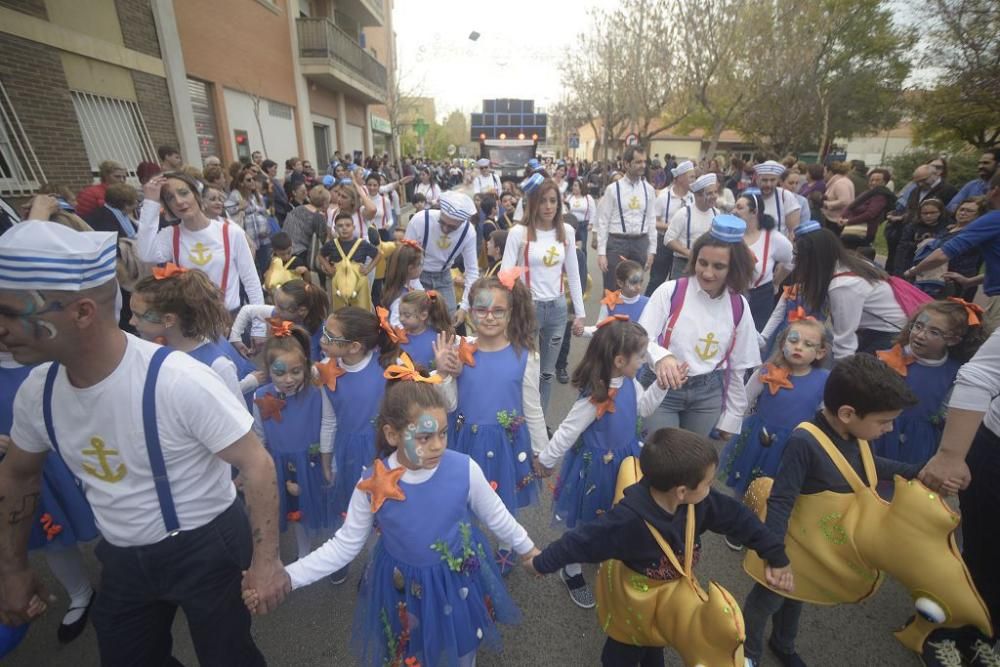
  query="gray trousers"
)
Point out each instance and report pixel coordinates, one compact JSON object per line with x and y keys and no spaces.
{"x":635,"y":249}
{"x":441,"y":282}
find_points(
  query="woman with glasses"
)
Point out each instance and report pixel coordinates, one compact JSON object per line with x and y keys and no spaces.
{"x":245,"y":206}
{"x":961,"y":276}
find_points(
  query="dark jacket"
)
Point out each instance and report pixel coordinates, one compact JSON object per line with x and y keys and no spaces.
{"x":912,"y":235}
{"x":870,"y":208}
{"x":621,"y":534}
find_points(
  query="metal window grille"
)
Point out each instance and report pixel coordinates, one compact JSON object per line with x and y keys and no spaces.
{"x":279,"y":110}
{"x":113,"y":129}
{"x":20,"y":172}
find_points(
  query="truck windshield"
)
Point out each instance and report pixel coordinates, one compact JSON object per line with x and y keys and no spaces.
{"x":512,"y":157}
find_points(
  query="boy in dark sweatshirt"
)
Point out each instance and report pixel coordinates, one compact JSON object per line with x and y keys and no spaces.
{"x":678,"y":468}
{"x":861,"y":399}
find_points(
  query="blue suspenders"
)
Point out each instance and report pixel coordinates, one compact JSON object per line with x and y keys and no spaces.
{"x":688,"y":209}
{"x":777,"y":205}
{"x":427,"y":230}
{"x":645,"y":206}
{"x":152,"y":433}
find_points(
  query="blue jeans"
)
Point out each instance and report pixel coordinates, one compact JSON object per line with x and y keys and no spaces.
{"x":784,"y":613}
{"x":441,"y":282}
{"x":694,"y":407}
{"x":551,"y":316}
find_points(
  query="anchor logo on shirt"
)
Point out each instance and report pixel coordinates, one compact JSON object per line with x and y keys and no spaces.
{"x":551,"y":257}
{"x":200,"y":255}
{"x":710,"y":349}
{"x":106,"y":474}
{"x":444,"y":242}
{"x":633,"y":203}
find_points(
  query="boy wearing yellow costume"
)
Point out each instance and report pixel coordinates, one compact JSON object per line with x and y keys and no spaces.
{"x":861,"y":399}
{"x":678,"y":468}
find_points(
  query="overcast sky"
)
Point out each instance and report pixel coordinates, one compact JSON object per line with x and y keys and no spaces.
{"x":518,"y":53}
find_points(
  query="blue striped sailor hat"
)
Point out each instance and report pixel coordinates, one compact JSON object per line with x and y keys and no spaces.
{"x":41,"y":255}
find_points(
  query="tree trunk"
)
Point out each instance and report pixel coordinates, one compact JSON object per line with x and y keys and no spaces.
{"x":714,"y":143}
{"x":824,"y":133}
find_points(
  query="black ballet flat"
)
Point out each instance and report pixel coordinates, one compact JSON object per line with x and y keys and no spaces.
{"x":69,"y":631}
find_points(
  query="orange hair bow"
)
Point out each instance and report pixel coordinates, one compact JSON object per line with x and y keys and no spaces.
{"x":412,"y":244}
{"x":799,"y":314}
{"x":168,"y":270}
{"x":390,"y":331}
{"x":280,"y":328}
{"x":610,"y":319}
{"x":974,"y":311}
{"x":432,"y":294}
{"x":607,"y":405}
{"x":612,"y":299}
{"x":405,"y":370}
{"x":509,"y":276}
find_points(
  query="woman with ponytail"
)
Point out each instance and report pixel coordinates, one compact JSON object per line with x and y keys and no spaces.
{"x":769,"y":249}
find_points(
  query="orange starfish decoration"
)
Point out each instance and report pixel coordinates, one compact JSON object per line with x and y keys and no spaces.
{"x":279,"y":327}
{"x":270,"y":407}
{"x":169,"y":270}
{"x":329,"y":371}
{"x":799,"y":314}
{"x":466,"y":352}
{"x":383,"y":485}
{"x":509,"y":276}
{"x":775,"y":378}
{"x":612,"y":299}
{"x":896,"y":359}
{"x":605,"y":406}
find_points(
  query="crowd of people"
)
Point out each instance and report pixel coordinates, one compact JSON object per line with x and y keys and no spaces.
{"x":193,"y":367}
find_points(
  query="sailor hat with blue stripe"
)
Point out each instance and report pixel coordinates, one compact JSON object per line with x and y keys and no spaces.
{"x":704,"y":181}
{"x":807,"y":227}
{"x":457,"y":205}
{"x":531,"y":183}
{"x":40,"y":255}
{"x":769,"y":168}
{"x":728,"y":228}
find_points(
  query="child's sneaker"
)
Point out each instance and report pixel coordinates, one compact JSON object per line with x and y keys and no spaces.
{"x":941,"y":653}
{"x":981,"y":654}
{"x":505,"y":561}
{"x":579,"y":591}
{"x":340,"y":576}
{"x":786,"y":659}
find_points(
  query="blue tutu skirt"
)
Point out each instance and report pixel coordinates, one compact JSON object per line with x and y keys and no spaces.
{"x":64,"y":517}
{"x":506,"y":461}
{"x":431,"y":613}
{"x":352,"y":453}
{"x":586,"y":484}
{"x":914,"y":439}
{"x":311,"y":505}
{"x":755,"y":452}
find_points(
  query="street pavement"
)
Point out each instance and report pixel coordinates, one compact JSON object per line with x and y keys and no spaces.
{"x":314,"y":625}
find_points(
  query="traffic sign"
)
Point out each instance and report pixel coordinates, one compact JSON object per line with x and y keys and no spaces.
{"x":632,"y":139}
{"x":574,"y":141}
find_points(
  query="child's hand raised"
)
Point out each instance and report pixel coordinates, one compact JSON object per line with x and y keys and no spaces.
{"x":446,"y":360}
{"x":527,"y":561}
{"x":780,"y":578}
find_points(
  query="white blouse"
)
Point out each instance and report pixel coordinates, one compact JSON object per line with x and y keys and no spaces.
{"x":546,"y":261}
{"x":770,"y":249}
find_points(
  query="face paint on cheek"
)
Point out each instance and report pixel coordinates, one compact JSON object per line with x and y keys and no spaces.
{"x":414,"y":452}
{"x":278,"y":367}
{"x":48,"y":327}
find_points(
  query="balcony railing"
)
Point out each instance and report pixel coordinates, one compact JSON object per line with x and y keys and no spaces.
{"x":321,"y":38}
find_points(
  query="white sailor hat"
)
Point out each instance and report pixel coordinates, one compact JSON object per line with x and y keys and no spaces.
{"x":457,"y":205}
{"x":41,"y":255}
{"x":483,"y":162}
{"x":531,"y":183}
{"x":704,"y":181}
{"x":807,"y":227}
{"x":769,"y":168}
{"x":728,"y":228}
{"x":682,"y":168}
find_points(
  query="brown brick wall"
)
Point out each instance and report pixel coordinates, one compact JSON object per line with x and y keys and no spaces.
{"x":35,"y":82}
{"x":154,"y":102}
{"x":35,"y":8}
{"x":138,"y":26}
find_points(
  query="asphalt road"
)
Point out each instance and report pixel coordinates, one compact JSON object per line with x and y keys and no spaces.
{"x":313,"y":627}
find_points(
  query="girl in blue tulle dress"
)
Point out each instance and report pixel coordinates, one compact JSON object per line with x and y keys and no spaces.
{"x":601,"y":429}
{"x":495,"y":410}
{"x":358,"y":348}
{"x":786,"y":391}
{"x":423,"y":315}
{"x":939,"y":338}
{"x":431,"y":594}
{"x":287,"y":415}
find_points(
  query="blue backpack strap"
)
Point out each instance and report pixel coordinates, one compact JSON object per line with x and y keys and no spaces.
{"x":156,"y":462}
{"x":465,"y":231}
{"x":50,"y":381}
{"x":427,"y":227}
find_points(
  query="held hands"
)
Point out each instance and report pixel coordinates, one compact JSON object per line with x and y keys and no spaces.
{"x":527,"y":562}
{"x":22,"y":597}
{"x":780,"y":578}
{"x":671,"y":373}
{"x":578,"y":326}
{"x":265,"y":585}
{"x":540,"y":470}
{"x":945,"y":473}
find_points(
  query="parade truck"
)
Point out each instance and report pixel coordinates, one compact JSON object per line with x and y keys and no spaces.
{"x":508,"y":132}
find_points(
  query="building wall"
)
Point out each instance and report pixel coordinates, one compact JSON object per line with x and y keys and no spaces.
{"x":280,"y":133}
{"x":876,"y":150}
{"x":34,"y":8}
{"x":154,"y":101}
{"x":246,"y":50}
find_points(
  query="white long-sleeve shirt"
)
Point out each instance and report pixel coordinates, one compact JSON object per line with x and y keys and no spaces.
{"x":584,"y":208}
{"x":484,"y":183}
{"x":202,"y":250}
{"x":668,"y":203}
{"x":584,"y":413}
{"x":857,"y":304}
{"x":977,"y":386}
{"x":547,"y":258}
{"x":779,"y":251}
{"x":685,"y":229}
{"x":328,"y":429}
{"x":439,"y":248}
{"x":701,"y":337}
{"x":348,"y":542}
{"x":531,"y":402}
{"x":430,"y":191}
{"x":637,"y":214}
{"x":789,"y":208}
